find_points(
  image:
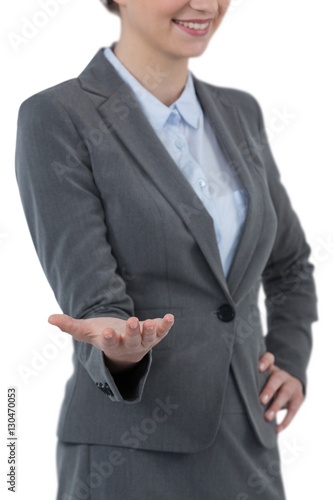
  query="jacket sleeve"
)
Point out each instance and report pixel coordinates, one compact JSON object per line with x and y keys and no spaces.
{"x":288,"y":277}
{"x":66,"y":221}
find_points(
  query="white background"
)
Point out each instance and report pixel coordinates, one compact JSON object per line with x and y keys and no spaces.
{"x":278,"y":50}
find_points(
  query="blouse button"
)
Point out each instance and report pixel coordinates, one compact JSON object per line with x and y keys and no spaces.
{"x":179,"y":144}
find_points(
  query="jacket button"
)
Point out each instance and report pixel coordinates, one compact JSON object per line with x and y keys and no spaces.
{"x":226,"y":313}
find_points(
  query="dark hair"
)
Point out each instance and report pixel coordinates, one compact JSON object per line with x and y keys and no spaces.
{"x":111,"y":6}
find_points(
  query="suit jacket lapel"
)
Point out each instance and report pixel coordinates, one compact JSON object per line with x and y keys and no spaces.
{"x":151,"y":156}
{"x":233,"y":142}
{"x":122,"y":114}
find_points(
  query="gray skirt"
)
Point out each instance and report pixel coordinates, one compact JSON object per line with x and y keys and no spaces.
{"x":235,"y":467}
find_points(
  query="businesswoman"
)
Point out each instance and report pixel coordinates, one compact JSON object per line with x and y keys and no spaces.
{"x":156,"y":210}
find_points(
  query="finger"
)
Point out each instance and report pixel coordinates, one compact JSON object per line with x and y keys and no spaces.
{"x":132,"y":328}
{"x":164,"y":325}
{"x":78,"y":328}
{"x":273,"y":384}
{"x":110,"y":338}
{"x":266,"y":360}
{"x":132,"y":336}
{"x":292,"y":410}
{"x":148,"y":333}
{"x":283,"y":397}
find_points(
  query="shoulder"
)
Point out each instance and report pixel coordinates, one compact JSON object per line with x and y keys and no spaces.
{"x":51,"y":116}
{"x":65,"y":95}
{"x":233,"y":95}
{"x":244,"y":103}
{"x":71,"y":96}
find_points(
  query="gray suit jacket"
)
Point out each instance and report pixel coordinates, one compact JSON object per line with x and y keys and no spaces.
{"x":120,"y":232}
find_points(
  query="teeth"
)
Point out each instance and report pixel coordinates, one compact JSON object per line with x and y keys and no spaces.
{"x":194,"y":26}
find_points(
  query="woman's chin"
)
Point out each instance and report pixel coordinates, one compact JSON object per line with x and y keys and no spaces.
{"x":189,"y":52}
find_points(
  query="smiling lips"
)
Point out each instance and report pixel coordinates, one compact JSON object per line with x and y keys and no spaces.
{"x":194,"y":27}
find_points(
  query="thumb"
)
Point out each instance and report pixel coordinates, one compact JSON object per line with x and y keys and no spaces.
{"x":75,"y":327}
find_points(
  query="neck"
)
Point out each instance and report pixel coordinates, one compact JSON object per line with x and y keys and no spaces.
{"x":162,"y":76}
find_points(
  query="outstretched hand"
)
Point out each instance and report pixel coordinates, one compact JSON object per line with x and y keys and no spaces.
{"x":282,"y":390}
{"x":124,"y":343}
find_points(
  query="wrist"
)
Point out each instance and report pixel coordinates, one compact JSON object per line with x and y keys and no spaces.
{"x":119,"y":366}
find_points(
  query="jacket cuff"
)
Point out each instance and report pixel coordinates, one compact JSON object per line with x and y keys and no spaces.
{"x":126,"y":387}
{"x":129,"y":384}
